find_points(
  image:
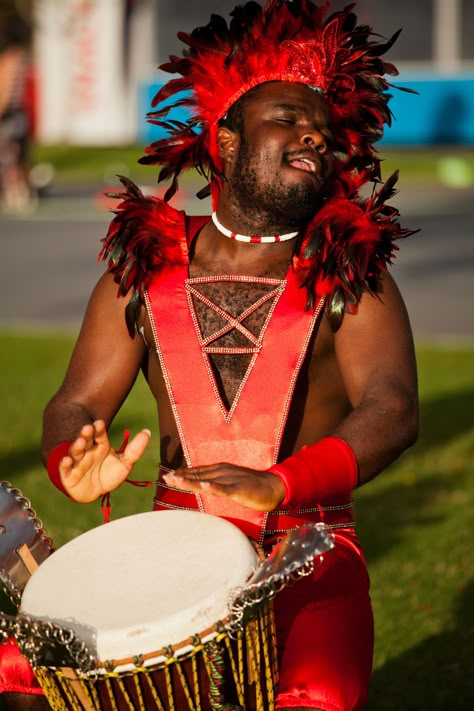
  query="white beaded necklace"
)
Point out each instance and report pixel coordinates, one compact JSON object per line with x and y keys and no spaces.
{"x":253,"y":239}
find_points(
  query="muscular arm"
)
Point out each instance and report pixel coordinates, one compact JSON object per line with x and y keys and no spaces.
{"x":102,"y":370}
{"x":376,"y":358}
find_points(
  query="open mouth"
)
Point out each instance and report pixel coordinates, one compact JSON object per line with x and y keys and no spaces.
{"x":305,"y":164}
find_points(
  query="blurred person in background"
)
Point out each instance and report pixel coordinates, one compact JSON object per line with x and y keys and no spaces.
{"x":15,"y":113}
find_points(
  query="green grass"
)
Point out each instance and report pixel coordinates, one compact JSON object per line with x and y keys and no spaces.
{"x":415,"y":520}
{"x":101,"y":164}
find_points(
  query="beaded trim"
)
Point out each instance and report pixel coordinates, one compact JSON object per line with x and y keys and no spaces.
{"x":313,"y":509}
{"x":294,"y":377}
{"x":254,"y":239}
{"x":167,"y":380}
{"x":331,"y":526}
{"x":163,"y":484}
{"x":173,"y":507}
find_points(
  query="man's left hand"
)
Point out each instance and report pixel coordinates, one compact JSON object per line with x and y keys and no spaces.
{"x":258,"y":490}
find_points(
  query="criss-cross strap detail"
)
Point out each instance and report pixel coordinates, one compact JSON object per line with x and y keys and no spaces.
{"x":231,"y":321}
{"x":209,"y":343}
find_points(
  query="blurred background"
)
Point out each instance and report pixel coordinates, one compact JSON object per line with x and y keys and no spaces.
{"x":93,"y":63}
{"x":78,"y":77}
{"x":76,"y":80}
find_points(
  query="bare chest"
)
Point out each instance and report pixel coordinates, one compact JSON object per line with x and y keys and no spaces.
{"x":231,"y":316}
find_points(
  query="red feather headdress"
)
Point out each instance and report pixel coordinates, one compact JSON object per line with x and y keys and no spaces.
{"x":281,"y":41}
{"x":350,"y":240}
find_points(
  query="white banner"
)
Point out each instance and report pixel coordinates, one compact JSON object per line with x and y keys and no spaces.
{"x":80,"y":62}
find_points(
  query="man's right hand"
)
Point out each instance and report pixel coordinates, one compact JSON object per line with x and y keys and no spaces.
{"x":93,"y":467}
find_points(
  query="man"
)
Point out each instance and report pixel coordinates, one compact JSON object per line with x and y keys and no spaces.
{"x":276,"y":345}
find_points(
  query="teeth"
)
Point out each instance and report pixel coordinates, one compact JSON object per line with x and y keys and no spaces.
{"x":310,"y":163}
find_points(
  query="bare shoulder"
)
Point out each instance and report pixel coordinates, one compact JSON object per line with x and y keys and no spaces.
{"x":378,"y":316}
{"x":376,"y":343}
{"x":105,"y":298}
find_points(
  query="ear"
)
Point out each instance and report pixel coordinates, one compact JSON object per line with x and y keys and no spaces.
{"x":227,"y":143}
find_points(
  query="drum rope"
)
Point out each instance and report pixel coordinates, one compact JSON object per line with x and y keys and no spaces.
{"x":138,"y":690}
{"x":215,"y":653}
{"x":172,"y":660}
{"x":238,"y":678}
{"x":94,"y":694}
{"x":169,"y":688}
{"x":50,"y":689}
{"x":263,"y":622}
{"x":66,"y":689}
{"x":126,"y":696}
{"x":108,"y":685}
{"x":197,"y":691}
{"x":253,"y":662}
{"x":153,"y":689}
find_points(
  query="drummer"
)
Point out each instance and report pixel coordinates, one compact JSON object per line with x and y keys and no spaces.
{"x":275,"y":342}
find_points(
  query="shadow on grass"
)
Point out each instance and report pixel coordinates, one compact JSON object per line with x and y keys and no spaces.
{"x":443,"y":419}
{"x":382,"y":518}
{"x":436,"y":674}
{"x":13,"y":464}
{"x":383,"y":513}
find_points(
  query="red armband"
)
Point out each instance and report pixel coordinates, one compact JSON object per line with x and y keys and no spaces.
{"x":52,"y":465}
{"x":324,"y":469}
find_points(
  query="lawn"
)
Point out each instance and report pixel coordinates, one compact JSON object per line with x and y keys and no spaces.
{"x":415,"y":520}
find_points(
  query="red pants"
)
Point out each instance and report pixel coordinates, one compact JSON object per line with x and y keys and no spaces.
{"x":325,"y":634}
{"x":16,"y":675}
{"x":325,"y":637}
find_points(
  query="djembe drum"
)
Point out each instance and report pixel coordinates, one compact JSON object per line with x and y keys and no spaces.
{"x":165,"y":611}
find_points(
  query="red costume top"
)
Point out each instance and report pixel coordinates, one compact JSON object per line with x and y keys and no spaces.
{"x":249,"y":433}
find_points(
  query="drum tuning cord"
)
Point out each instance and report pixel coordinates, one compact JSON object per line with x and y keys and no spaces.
{"x":45,"y":643}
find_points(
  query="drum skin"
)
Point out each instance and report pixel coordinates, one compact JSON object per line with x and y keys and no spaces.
{"x":149,"y":596}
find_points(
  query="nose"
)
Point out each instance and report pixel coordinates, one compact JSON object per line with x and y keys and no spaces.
{"x":315,"y":140}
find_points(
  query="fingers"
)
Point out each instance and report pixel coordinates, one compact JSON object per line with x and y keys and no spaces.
{"x":259,"y":490}
{"x":193,"y":478}
{"x":135,"y":448}
{"x":94,"y":467}
{"x":207,"y":472}
{"x":192,"y":483}
{"x":90,"y":435}
{"x":217,"y":479}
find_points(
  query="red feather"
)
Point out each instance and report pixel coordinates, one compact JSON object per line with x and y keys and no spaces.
{"x":348,"y":244}
{"x":283,"y":40}
{"x":145,"y":235}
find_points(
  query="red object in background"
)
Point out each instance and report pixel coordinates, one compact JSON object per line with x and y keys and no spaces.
{"x":30,"y":101}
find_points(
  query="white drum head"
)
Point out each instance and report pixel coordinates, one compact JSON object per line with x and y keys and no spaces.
{"x":142,"y":582}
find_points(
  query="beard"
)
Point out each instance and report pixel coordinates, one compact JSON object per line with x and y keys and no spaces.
{"x":272,"y":202}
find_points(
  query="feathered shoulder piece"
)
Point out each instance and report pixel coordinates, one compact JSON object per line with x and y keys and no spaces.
{"x":145,"y":235}
{"x":347,"y":246}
